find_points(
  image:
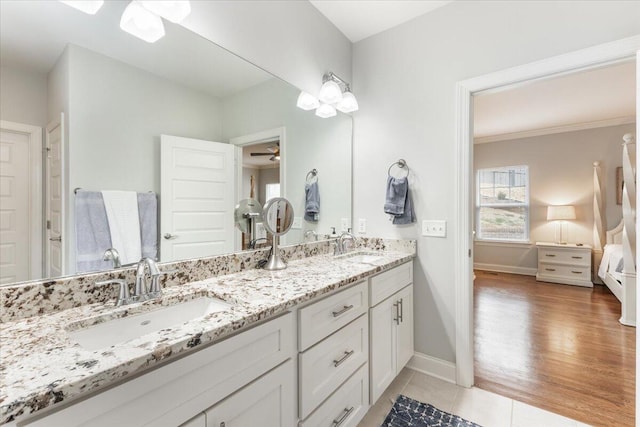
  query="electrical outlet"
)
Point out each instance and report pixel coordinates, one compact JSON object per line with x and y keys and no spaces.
{"x":362,"y":225}
{"x":434,"y":228}
{"x":297,"y":223}
{"x":344,"y":224}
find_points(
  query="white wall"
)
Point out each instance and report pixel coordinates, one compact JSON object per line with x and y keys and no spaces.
{"x":116,"y":116}
{"x":560,"y":173}
{"x":405,"y":82}
{"x":288,"y":38}
{"x":24,"y":96}
{"x":311,"y":142}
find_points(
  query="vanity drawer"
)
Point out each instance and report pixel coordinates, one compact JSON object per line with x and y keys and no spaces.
{"x":321,"y":319}
{"x":388,"y":283}
{"x":561,"y":256}
{"x":329,"y":363}
{"x":347,"y":406}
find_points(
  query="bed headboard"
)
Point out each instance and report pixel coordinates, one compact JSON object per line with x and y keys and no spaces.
{"x":615,"y":236}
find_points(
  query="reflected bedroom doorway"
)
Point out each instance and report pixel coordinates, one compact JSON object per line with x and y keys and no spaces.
{"x":552,"y":345}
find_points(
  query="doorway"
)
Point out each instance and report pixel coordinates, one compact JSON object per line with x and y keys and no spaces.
{"x":587,"y":58}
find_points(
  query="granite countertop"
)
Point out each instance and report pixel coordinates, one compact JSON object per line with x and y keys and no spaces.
{"x":41,"y":366}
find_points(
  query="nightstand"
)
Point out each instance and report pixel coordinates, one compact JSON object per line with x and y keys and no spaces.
{"x":567,"y":264}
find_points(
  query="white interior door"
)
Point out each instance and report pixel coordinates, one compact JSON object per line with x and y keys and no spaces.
{"x":55,"y":230}
{"x":20,"y":202}
{"x":196,"y":198}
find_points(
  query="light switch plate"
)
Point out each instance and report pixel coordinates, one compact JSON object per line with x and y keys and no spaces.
{"x":434,"y":228}
{"x":362,"y":225}
{"x":297,"y":223}
{"x":344,"y":224}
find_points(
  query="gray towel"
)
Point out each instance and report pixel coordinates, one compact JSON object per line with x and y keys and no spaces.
{"x":408,"y":216}
{"x":148,"y":213}
{"x":397,"y":189}
{"x":92,"y":232}
{"x":312,"y":202}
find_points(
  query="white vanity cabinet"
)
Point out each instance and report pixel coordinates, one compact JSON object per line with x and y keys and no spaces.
{"x":391,"y":326}
{"x":333,"y":359}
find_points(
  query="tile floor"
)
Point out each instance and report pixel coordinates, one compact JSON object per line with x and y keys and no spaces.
{"x":482,"y":407}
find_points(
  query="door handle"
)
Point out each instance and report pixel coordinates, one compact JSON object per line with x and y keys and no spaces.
{"x":169,"y":236}
{"x":401,"y":316}
{"x":56,"y":239}
{"x":397,"y":318}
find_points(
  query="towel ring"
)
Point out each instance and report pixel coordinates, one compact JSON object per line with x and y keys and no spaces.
{"x":313,"y":172}
{"x":402,"y":164}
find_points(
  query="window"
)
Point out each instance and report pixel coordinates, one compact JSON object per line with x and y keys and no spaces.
{"x":502,"y":204}
{"x":271,"y":191}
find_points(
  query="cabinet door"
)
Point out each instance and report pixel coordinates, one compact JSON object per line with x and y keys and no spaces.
{"x":405,"y":328}
{"x":382,"y":356}
{"x":267,"y":402}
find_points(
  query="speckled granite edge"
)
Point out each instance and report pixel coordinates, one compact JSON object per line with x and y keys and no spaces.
{"x":41,"y":367}
{"x":34,"y":298}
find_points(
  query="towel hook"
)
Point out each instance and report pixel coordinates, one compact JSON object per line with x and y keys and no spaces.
{"x":402,"y":164}
{"x":313,"y":172}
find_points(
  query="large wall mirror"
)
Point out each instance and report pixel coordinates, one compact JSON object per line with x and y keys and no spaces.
{"x":180,"y":121}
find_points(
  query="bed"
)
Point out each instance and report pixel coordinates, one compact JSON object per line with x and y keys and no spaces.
{"x":616,"y":254}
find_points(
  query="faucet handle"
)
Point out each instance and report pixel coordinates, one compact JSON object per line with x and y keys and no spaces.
{"x":156,"y":290}
{"x":123,"y":297}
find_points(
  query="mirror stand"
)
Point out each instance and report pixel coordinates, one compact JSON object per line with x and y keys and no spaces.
{"x":275,"y":262}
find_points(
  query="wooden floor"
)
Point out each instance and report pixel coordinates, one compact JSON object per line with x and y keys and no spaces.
{"x":557,"y":347}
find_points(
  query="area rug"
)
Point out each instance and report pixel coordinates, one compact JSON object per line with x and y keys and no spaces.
{"x":408,"y":412}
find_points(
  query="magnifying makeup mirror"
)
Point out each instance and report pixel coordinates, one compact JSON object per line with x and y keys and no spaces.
{"x":277,"y":218}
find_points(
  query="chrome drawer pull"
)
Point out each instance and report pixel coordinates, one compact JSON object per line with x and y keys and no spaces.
{"x":550,"y":255}
{"x":345,"y":413}
{"x":576,"y":257}
{"x":397,"y":318}
{"x":550,"y":269}
{"x":400,"y":303}
{"x":344,"y":310}
{"x":339,"y":362}
{"x":576,"y":272}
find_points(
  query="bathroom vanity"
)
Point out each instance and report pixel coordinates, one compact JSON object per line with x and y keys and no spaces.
{"x":311,"y":345}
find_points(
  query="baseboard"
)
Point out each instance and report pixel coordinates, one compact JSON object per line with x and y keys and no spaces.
{"x":499,"y":268}
{"x":433,"y":366}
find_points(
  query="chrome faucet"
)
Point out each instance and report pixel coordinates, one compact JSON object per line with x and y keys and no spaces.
{"x":141,"y":291}
{"x":112,"y":254}
{"x":341,"y":247}
{"x":310,"y":233}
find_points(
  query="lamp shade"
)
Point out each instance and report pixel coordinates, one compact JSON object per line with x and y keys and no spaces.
{"x":330,"y":92}
{"x":561,"y":213}
{"x":325,"y":111}
{"x":142,"y":23}
{"x":307,"y":101}
{"x":348,"y":104}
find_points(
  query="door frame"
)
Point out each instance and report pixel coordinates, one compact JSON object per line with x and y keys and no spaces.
{"x":591,"y":57}
{"x":256,"y":138}
{"x":36,"y":199}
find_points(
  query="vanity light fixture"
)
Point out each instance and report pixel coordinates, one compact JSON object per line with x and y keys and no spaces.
{"x":142,"y":23}
{"x":173,"y":11}
{"x":325,"y":111}
{"x":87,"y":6}
{"x":307,"y":101}
{"x":331,"y":97}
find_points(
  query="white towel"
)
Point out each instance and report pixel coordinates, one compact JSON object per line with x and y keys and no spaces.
{"x":124,"y":224}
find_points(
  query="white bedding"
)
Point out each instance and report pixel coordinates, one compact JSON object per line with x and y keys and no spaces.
{"x":612,"y":261}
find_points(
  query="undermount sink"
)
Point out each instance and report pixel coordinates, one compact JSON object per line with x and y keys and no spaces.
{"x":361,"y":257}
{"x":123,"y":329}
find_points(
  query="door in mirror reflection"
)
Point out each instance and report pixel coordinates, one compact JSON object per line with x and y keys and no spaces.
{"x":197,"y":198}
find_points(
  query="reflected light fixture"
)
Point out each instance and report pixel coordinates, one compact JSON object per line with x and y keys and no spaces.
{"x":142,"y":23}
{"x":173,"y":11}
{"x":87,"y":6}
{"x":307,"y":101}
{"x":349,"y":103}
{"x":561,"y":214}
{"x":325,"y":111}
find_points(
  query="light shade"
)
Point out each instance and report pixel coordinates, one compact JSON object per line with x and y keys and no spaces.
{"x":142,"y":23}
{"x":325,"y":111}
{"x":174,"y":11}
{"x":561,"y":213}
{"x":87,"y":6}
{"x":348,"y":104}
{"x":330,"y":93}
{"x":307,"y":101}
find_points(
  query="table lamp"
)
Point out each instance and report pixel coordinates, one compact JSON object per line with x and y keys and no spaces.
{"x":561,"y":214}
